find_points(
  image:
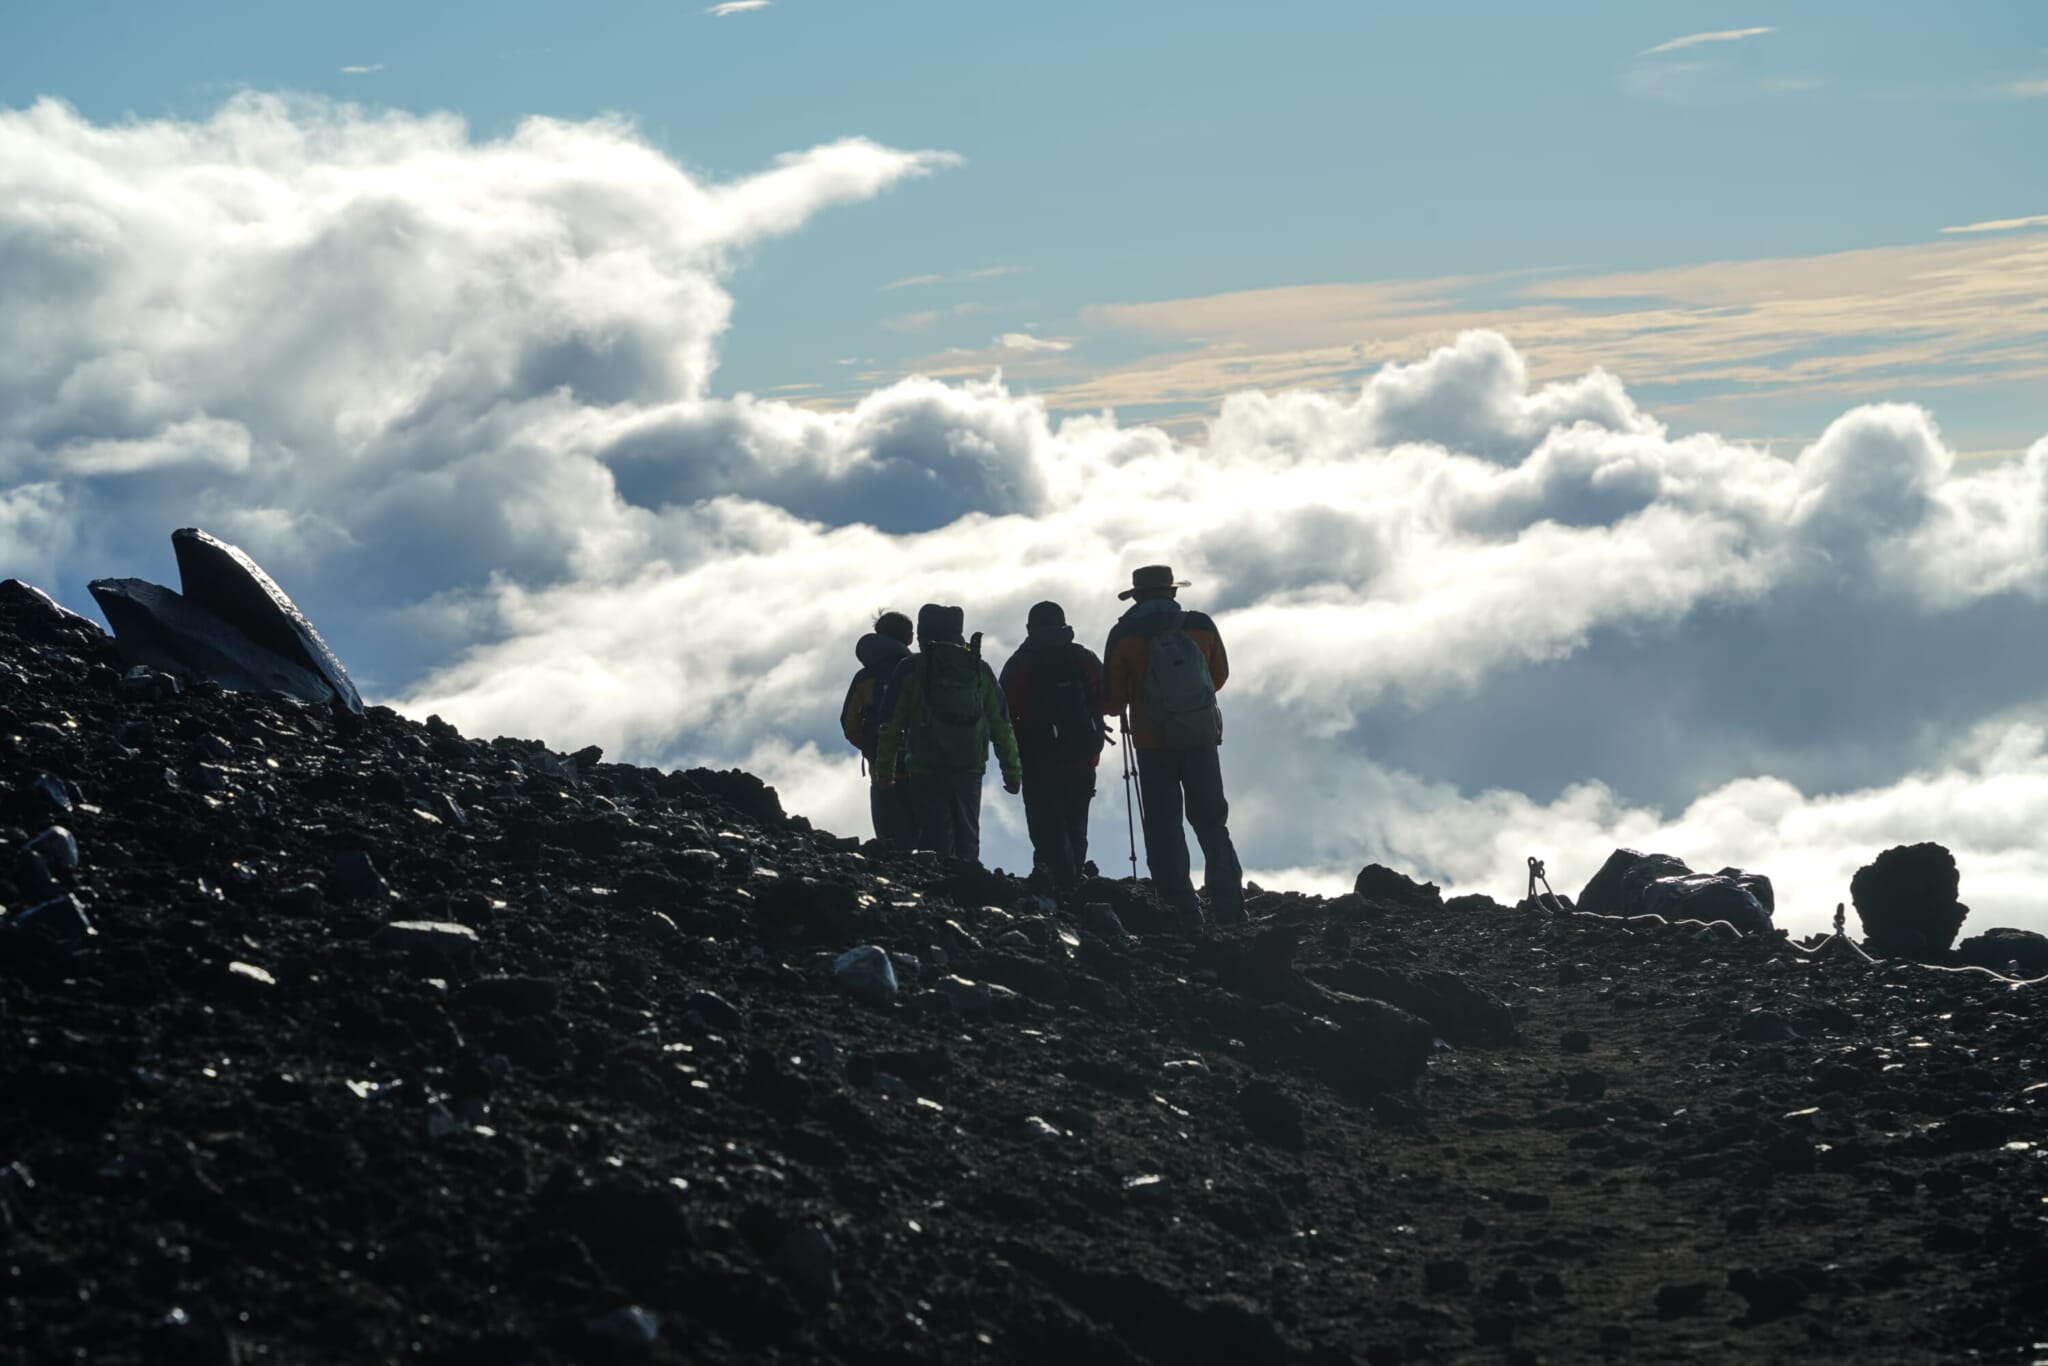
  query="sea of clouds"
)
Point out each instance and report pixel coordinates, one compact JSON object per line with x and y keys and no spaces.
{"x":458,"y":396}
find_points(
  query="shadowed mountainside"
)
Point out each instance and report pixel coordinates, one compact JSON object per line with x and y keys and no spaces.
{"x":340,"y":1038}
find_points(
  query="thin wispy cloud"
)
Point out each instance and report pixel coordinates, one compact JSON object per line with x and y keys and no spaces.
{"x":732,"y":7}
{"x":1960,"y":311}
{"x":1024,"y":341}
{"x":964,"y":277}
{"x":1726,"y":35}
{"x":2039,"y":220}
{"x":362,"y":70}
{"x":924,"y":319}
{"x":2028,"y":90}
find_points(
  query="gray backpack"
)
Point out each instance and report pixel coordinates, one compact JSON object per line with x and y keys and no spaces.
{"x":1180,"y":697}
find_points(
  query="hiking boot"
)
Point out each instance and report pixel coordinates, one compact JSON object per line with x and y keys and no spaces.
{"x":1224,"y":909}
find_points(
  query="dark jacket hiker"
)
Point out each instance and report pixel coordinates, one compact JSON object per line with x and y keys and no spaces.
{"x":880,"y":651}
{"x":945,"y":711}
{"x":1053,"y":688}
{"x":1164,"y":665}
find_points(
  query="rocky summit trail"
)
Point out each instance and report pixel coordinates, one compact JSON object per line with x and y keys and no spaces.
{"x":339,"y":1038}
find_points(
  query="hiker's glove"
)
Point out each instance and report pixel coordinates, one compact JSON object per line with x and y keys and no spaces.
{"x":1013,"y":785}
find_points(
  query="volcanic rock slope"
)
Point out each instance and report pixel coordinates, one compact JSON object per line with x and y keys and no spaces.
{"x":392,"y":1045}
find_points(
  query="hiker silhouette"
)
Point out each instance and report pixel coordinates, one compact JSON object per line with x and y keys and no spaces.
{"x":1053,"y":689}
{"x":860,"y":721}
{"x":1162,"y":667}
{"x":944,"y":710}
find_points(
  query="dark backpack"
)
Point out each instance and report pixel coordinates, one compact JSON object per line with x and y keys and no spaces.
{"x":1066,"y":715}
{"x":950,"y":734}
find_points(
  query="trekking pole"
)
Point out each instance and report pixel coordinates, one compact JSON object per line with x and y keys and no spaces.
{"x":1130,"y":821}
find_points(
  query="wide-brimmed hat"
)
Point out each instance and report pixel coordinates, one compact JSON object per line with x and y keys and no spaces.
{"x":1152,"y":576}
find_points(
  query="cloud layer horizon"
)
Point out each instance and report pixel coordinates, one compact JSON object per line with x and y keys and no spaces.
{"x":456,"y":395}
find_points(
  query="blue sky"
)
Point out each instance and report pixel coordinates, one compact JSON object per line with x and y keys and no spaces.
{"x":1590,"y":425}
{"x":1135,"y":153}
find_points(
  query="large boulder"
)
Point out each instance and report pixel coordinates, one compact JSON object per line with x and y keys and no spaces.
{"x":1646,"y":871}
{"x":1906,"y":899}
{"x":231,"y":625}
{"x":159,"y":628}
{"x":1634,"y":883}
{"x":226,"y":582}
{"x":1604,"y":893}
{"x":1729,"y":895}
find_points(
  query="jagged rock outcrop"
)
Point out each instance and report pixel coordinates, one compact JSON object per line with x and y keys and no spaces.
{"x":159,"y":629}
{"x":222,"y":579}
{"x":232,"y":625}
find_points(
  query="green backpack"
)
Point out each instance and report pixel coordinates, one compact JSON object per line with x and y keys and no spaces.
{"x":951,"y":734}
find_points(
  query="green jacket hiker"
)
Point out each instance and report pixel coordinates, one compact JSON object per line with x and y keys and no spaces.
{"x":945,"y":711}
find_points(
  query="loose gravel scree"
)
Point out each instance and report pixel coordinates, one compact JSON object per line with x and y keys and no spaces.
{"x":343,"y":1039}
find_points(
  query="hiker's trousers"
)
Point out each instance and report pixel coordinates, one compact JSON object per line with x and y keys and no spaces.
{"x":895,"y":822}
{"x":947,"y":807}
{"x":1056,"y":815}
{"x":1173,"y":782}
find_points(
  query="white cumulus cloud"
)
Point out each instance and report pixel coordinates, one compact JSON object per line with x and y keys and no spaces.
{"x":457,"y":394}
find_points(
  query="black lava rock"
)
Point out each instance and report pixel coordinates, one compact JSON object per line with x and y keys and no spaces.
{"x":515,"y":996}
{"x":1770,"y":1294}
{"x":1679,"y":1300}
{"x":716,"y":1011}
{"x":355,"y":878}
{"x":1270,"y":1113}
{"x":1907,"y":901}
{"x":1377,"y":883}
{"x":1441,"y":1277}
{"x":1584,"y":1086}
{"x":2003,"y":950}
